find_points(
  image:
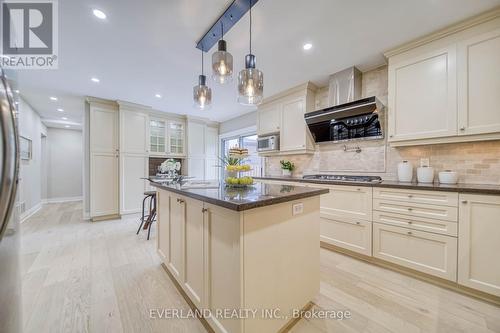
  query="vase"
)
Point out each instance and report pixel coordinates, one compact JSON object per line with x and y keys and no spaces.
{"x":286,"y":173}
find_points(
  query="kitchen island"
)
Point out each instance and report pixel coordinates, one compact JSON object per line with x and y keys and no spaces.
{"x":247,"y":259}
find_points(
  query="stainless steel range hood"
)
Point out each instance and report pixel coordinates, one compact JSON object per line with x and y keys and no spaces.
{"x":347,"y":113}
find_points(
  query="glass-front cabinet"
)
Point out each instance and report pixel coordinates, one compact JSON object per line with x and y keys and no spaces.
{"x":176,"y":135}
{"x":167,"y":137}
{"x":157,"y":130}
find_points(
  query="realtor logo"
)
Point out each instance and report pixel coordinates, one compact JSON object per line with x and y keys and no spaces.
{"x":29,"y":34}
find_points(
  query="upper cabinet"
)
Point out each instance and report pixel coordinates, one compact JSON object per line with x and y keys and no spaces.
{"x":269,"y":119}
{"x":423,"y":98}
{"x":283,"y":114}
{"x":479,"y":84}
{"x":167,"y":137}
{"x":444,"y":88}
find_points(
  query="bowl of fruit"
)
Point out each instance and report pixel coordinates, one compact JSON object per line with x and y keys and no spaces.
{"x":239,"y":181}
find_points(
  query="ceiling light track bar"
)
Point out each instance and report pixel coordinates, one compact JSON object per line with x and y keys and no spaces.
{"x":230,"y":17}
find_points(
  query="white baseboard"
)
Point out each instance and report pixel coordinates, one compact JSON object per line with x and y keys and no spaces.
{"x":27,"y":214}
{"x":62,"y":199}
{"x":86,"y":215}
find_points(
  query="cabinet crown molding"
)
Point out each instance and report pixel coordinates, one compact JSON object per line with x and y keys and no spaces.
{"x":96,"y":100}
{"x":302,"y":88}
{"x":452,"y":29}
{"x":133,"y":106}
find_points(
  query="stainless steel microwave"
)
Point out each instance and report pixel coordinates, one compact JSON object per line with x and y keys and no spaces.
{"x":268,"y":143}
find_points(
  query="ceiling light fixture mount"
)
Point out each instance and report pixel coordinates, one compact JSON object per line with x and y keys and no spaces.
{"x":96,"y":80}
{"x":229,"y":18}
{"x":52,"y":98}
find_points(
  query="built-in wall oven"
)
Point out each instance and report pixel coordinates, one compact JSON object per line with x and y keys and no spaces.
{"x":268,"y":143}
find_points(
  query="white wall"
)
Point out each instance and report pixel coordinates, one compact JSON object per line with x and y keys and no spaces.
{"x":244,"y":121}
{"x":65,"y":161}
{"x":31,"y":127}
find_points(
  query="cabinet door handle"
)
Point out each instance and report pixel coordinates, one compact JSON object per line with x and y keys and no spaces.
{"x":391,"y":136}
{"x":462,"y":128}
{"x":409,"y":233}
{"x":464,"y":202}
{"x":358,"y":223}
{"x":204,"y":210}
{"x":180,"y":200}
{"x":410,"y":196}
{"x":410,"y":222}
{"x":410,"y":209}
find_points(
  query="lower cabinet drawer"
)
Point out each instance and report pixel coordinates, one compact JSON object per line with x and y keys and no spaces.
{"x":446,"y":213}
{"x":422,"y":251}
{"x":351,"y":235}
{"x":417,"y":223}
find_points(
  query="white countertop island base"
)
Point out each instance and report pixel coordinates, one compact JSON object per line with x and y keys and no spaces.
{"x":263,"y":261}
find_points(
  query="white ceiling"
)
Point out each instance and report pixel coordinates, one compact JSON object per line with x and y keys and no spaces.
{"x":147,"y":47}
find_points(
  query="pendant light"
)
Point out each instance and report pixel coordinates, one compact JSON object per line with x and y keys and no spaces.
{"x":222,"y":61}
{"x":202,"y":94}
{"x":250,"y":79}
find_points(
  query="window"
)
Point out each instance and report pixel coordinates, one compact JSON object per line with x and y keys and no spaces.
{"x":249,"y":142}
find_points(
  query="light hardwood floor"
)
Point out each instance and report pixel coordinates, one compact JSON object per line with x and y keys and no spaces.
{"x":100,"y":277}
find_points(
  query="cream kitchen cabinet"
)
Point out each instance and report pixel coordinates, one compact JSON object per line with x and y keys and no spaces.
{"x":479,"y":243}
{"x":423,"y":95}
{"x":104,"y":147}
{"x":479,"y":84}
{"x":269,"y":119}
{"x":444,"y":88}
{"x":176,"y":226}
{"x":284,"y":114}
{"x":203,"y":150}
{"x":134,"y":156}
{"x":422,"y":251}
{"x":348,"y":234}
{"x":167,"y":137}
{"x":293,"y":136}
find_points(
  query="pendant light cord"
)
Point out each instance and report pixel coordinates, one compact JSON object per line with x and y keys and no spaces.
{"x":222,"y":29}
{"x":250,"y":4}
{"x":202,"y":61}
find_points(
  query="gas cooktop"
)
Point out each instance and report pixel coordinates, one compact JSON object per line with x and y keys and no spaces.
{"x":345,"y":178}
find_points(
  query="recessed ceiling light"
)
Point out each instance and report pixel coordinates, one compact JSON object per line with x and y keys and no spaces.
{"x":17,"y":91}
{"x":94,"y":79}
{"x":67,"y":126}
{"x":307,"y":46}
{"x":16,"y":102}
{"x":157,"y":95}
{"x":99,"y":14}
{"x":60,"y":110}
{"x":52,"y":98}
{"x":64,"y":118}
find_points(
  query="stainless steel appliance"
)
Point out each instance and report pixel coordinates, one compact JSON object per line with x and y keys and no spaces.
{"x":348,"y":117}
{"x":345,"y":178}
{"x":268,"y":143}
{"x":10,"y":280}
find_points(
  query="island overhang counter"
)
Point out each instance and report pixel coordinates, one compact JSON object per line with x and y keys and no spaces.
{"x":246,"y":259}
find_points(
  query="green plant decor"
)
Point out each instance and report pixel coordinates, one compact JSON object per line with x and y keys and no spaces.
{"x":287,"y":165}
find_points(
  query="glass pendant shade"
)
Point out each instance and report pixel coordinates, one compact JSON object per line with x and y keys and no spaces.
{"x":202,"y":94}
{"x":222,"y":64}
{"x":250,"y":83}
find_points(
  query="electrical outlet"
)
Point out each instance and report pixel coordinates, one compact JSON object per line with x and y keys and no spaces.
{"x":298,"y":208}
{"x":424,"y":162}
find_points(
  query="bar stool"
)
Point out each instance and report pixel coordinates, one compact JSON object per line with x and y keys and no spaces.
{"x":150,"y":217}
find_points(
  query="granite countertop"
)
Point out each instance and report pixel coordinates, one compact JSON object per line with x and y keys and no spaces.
{"x":461,"y":188}
{"x":240,"y":199}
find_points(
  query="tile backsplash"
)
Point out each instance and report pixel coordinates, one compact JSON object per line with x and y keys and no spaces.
{"x":476,"y":162}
